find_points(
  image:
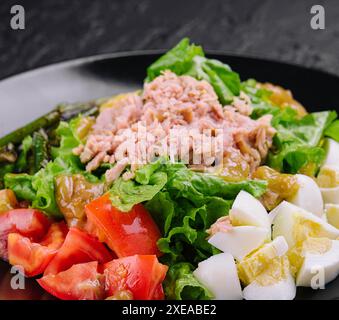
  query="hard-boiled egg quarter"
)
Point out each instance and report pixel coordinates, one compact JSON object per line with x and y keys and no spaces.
{"x":266,"y":273}
{"x":308,"y":195}
{"x":258,"y":262}
{"x":240,"y":241}
{"x":283,"y":289}
{"x":332,"y":152}
{"x":248,"y":211}
{"x":296,"y":224}
{"x":328,"y":181}
{"x":320,"y":263}
{"x":219,"y":275}
{"x":332,"y":214}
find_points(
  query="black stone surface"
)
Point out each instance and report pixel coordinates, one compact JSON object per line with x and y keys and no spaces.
{"x":58,"y":30}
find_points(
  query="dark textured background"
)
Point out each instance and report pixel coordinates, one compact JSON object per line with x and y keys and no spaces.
{"x":58,"y":30}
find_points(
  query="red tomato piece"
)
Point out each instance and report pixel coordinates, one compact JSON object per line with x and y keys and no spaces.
{"x":142,"y":275}
{"x":79,"y":247}
{"x":126,"y":233}
{"x":55,"y":236}
{"x":34,"y":257}
{"x":80,"y":282}
{"x":159,"y":293}
{"x":27,"y":222}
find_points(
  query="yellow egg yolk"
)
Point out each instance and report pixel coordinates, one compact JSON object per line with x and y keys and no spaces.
{"x":263,"y":266}
{"x":296,"y":255}
{"x":328,"y":177}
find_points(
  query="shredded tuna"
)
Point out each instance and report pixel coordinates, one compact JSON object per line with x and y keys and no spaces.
{"x":223,"y":224}
{"x":177,"y":116}
{"x":242,"y":104}
{"x":115,"y":172}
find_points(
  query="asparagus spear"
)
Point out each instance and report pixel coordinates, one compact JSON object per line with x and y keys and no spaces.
{"x":69,"y":111}
{"x":62,"y":112}
{"x":18,"y":135}
{"x":40,"y":150}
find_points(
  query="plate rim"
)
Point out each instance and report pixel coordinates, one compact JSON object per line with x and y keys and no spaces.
{"x":134,"y":53}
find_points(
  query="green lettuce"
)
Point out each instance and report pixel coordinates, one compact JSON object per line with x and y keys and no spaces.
{"x":4,"y":170}
{"x":21,"y":184}
{"x":144,"y":174}
{"x":68,"y":140}
{"x":197,"y":186}
{"x":186,"y":238}
{"x":298,"y":142}
{"x":225,"y":82}
{"x":187,"y":206}
{"x":180,"y":284}
{"x":333,"y":130}
{"x":125,"y":194}
{"x":189,"y":59}
{"x":178,"y":59}
{"x":261,"y":104}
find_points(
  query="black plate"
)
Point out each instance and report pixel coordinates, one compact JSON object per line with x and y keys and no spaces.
{"x":31,"y":94}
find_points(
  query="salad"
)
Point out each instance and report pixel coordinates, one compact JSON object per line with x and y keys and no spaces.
{"x":198,"y":186}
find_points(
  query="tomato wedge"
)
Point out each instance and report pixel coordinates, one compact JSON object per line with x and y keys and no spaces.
{"x":159,"y":293}
{"x":27,"y":222}
{"x":126,"y":233}
{"x":80,"y":282}
{"x":34,"y":257}
{"x":79,"y":247}
{"x":142,"y":275}
{"x":55,"y":236}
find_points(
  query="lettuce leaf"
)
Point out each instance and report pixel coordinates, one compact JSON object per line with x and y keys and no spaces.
{"x":149,"y":180}
{"x":68,"y":140}
{"x":21,"y":184}
{"x":333,"y":130}
{"x":180,"y":284}
{"x":225,"y":82}
{"x":186,"y":208}
{"x":262,"y":105}
{"x":144,"y":174}
{"x":297,"y":142}
{"x":125,"y":194}
{"x":197,"y":186}
{"x":178,"y":59}
{"x":189,"y":59}
{"x":186,"y":239}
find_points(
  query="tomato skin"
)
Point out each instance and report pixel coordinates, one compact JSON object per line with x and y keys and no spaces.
{"x":30,"y":223}
{"x":55,"y":236}
{"x":34,"y":257}
{"x":159,"y":293}
{"x":142,"y":275}
{"x":78,"y":247}
{"x":126,"y":233}
{"x":80,"y":282}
